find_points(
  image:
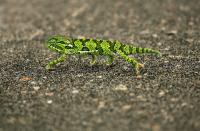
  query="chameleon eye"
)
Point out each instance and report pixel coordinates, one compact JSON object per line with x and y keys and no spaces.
{"x":52,"y":40}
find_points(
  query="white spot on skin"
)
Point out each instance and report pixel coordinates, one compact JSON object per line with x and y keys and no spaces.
{"x":70,"y":45}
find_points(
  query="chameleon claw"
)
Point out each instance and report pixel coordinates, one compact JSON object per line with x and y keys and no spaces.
{"x":110,"y":60}
{"x":92,"y":63}
{"x":109,"y":63}
{"x":137,"y":67}
{"x":48,"y":67}
{"x":94,"y":58}
{"x":140,"y":66}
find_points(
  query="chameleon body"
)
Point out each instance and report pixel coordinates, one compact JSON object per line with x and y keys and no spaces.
{"x":95,"y":47}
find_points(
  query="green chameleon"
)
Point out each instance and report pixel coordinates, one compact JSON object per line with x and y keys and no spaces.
{"x":94,"y":47}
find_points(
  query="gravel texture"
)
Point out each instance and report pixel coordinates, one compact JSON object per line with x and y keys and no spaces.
{"x":78,"y":97}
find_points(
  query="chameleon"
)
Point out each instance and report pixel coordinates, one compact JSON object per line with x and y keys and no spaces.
{"x":70,"y":46}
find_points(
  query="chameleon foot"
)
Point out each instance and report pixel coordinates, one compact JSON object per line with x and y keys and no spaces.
{"x":140,"y":66}
{"x":48,"y":67}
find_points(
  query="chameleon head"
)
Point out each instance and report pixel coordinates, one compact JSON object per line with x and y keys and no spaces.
{"x":59,"y":43}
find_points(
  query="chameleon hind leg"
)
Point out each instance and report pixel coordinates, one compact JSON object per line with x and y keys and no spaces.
{"x":110,"y":59}
{"x":93,"y":53}
{"x":136,"y":65}
{"x":55,"y":62}
{"x":105,"y":46}
{"x":94,"y":59}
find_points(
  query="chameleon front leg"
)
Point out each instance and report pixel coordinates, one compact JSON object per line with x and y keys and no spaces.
{"x":55,"y":62}
{"x":61,"y":58}
{"x":136,"y":65}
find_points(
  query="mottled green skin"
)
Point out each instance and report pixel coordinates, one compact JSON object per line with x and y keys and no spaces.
{"x":94,"y":47}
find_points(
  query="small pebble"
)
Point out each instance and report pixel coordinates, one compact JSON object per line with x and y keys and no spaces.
{"x":33,"y":82}
{"x":167,"y":48}
{"x":80,"y":75}
{"x":101,"y":104}
{"x":191,"y":23}
{"x":138,"y":77}
{"x":155,"y":127}
{"x":189,"y":40}
{"x":126,"y":108}
{"x":139,"y":86}
{"x":131,"y":94}
{"x":166,"y":61}
{"x":75,"y":91}
{"x":161,"y":93}
{"x":178,"y":66}
{"x":36,"y":88}
{"x":49,"y":93}
{"x":44,"y":77}
{"x":172,"y":32}
{"x":141,"y":98}
{"x":126,"y":68}
{"x":174,"y":99}
{"x":155,"y":35}
{"x":99,"y":120}
{"x":99,"y":77}
{"x":184,"y":104}
{"x":25,"y":78}
{"x":23,"y":92}
{"x":49,"y":101}
{"x":121,"y":88}
{"x":159,"y":43}
{"x":144,"y":32}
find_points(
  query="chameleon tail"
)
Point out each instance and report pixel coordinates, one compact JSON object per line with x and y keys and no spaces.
{"x":140,"y":50}
{"x":127,"y":49}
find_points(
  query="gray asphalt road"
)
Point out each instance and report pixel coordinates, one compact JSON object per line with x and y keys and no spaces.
{"x":78,"y":97}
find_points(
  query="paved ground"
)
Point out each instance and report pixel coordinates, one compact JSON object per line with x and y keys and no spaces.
{"x":77,"y":97}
